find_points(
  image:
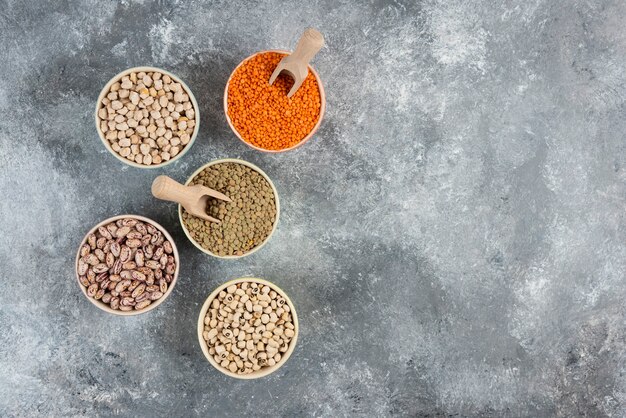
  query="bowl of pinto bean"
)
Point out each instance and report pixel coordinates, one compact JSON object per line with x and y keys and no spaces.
{"x":127,"y":265}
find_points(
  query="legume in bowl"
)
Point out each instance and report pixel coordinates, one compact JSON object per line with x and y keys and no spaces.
{"x":247,"y":223}
{"x":147,"y":117}
{"x":262,"y":116}
{"x":127,"y":265}
{"x":260,"y":335}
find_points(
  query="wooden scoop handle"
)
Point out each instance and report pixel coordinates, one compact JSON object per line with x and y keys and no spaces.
{"x":166,"y":188}
{"x":309,"y":44}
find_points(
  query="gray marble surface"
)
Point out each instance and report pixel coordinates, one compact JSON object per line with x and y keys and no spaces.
{"x":454,"y":237}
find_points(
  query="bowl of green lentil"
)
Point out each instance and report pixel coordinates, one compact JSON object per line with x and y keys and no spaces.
{"x":247,"y":223}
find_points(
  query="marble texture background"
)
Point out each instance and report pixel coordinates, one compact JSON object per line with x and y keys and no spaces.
{"x":454,"y":237}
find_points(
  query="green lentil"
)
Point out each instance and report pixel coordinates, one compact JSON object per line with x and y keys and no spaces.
{"x":246,"y":222}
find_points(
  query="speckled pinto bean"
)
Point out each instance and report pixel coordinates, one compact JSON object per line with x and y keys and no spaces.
{"x":120,"y":283}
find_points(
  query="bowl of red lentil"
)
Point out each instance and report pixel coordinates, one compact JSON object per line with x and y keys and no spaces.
{"x":262,"y":116}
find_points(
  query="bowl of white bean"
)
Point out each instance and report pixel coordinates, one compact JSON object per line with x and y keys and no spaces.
{"x":147,"y":117}
{"x":248,"y":328}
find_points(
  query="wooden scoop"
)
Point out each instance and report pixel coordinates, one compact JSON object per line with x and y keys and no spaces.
{"x":192,"y":198}
{"x":296,"y":64}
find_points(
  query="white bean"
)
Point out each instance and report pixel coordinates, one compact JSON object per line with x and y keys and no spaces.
{"x":147,"y":107}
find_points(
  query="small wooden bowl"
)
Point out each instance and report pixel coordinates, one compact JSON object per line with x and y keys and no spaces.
{"x":170,"y":287}
{"x":258,"y":170}
{"x":306,"y":138}
{"x":265,"y":370}
{"x":118,"y":77}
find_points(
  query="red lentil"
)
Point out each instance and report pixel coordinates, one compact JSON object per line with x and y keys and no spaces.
{"x":262,"y":114}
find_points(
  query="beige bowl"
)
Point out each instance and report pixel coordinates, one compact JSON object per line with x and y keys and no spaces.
{"x":265,"y":370}
{"x":306,"y":138}
{"x":255,"y":168}
{"x":104,"y":306}
{"x":106,"y":89}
